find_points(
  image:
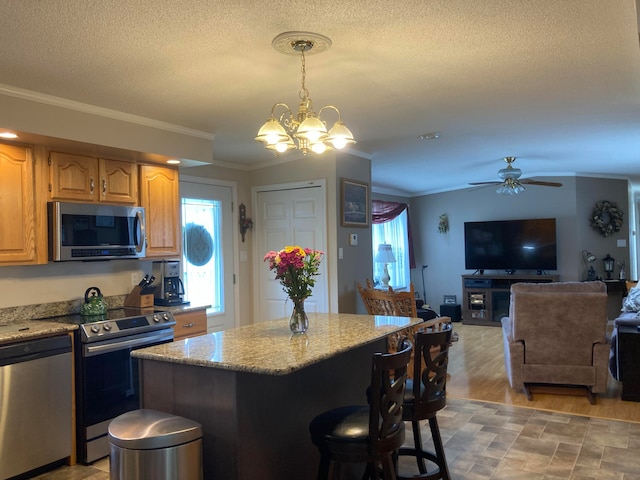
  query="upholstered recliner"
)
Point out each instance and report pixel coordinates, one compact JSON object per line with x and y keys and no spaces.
{"x":556,"y":335}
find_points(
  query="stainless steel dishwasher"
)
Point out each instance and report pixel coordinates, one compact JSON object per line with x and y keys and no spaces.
{"x":35,"y":404}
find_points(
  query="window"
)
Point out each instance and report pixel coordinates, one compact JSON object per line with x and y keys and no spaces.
{"x":396,"y":233}
{"x":202,"y":266}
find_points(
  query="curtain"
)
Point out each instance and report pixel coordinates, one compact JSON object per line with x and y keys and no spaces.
{"x":382,"y":212}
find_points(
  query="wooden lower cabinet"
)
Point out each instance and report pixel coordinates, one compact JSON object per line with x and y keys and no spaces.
{"x":486,"y":298}
{"x":190,"y":324}
{"x":23,"y":220}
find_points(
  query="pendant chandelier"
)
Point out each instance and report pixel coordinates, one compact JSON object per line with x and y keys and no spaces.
{"x":309,"y":131}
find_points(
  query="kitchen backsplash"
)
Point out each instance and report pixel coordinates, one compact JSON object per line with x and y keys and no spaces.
{"x":53,"y":309}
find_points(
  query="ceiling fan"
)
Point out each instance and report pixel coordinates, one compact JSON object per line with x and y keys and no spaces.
{"x":510,"y":183}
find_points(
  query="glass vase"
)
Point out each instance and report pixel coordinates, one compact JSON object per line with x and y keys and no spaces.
{"x":298,"y":322}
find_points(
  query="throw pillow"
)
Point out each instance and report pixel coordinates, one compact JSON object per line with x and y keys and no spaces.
{"x":631,"y":303}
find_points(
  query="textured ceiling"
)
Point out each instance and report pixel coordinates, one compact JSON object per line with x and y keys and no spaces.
{"x":554,"y":83}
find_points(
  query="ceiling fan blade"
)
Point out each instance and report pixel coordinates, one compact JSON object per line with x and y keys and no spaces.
{"x":485,"y":183}
{"x":543,"y":184}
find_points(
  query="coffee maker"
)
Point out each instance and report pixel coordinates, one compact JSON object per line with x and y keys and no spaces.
{"x":170,"y":290}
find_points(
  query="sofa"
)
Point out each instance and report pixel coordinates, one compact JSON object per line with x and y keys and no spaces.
{"x":625,"y":345}
{"x":555,"y":334}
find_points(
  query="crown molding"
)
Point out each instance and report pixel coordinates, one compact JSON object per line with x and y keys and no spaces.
{"x":52,"y":100}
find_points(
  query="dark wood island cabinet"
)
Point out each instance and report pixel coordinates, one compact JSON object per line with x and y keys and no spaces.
{"x":255,"y":389}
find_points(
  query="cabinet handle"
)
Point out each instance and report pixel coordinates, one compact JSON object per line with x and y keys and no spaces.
{"x":188,"y":325}
{"x":104,"y":187}
{"x":91,"y":185}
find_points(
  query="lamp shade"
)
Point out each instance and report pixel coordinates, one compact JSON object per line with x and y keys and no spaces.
{"x":588,"y":256}
{"x":385,"y":254}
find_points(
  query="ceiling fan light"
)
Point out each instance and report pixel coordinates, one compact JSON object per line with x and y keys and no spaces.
{"x":272,"y":132}
{"x":509,"y":173}
{"x":340,"y":136}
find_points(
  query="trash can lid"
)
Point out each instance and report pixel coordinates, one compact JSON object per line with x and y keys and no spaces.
{"x":150,"y":429}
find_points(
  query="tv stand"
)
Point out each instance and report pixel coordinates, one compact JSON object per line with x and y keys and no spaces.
{"x":485,"y":299}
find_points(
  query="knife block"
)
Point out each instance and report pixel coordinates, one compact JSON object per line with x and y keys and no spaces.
{"x":140,"y":297}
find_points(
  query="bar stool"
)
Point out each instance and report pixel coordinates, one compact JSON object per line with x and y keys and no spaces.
{"x":367,"y":434}
{"x":424,"y":396}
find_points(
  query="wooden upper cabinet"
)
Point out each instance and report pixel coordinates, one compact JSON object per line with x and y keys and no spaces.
{"x":118,"y":182}
{"x":87,"y":179}
{"x":22,"y":208}
{"x":160,"y":196}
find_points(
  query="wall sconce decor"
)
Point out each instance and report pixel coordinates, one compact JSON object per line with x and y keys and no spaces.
{"x":443,"y":224}
{"x":245,"y":222}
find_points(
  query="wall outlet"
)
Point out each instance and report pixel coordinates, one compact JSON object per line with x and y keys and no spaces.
{"x":135,"y":278}
{"x":353,"y":239}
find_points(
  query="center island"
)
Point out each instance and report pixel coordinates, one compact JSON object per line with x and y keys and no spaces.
{"x":256,"y":388}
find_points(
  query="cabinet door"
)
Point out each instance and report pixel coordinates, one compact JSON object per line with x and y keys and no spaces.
{"x":73,"y":177}
{"x":19,"y":238}
{"x":118,"y":182}
{"x":160,"y":197}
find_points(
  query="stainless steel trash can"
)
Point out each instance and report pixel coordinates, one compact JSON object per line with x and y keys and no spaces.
{"x":147,"y":444}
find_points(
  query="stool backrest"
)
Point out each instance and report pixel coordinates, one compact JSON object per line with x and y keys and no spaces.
{"x":430,"y":392}
{"x":388,"y":380}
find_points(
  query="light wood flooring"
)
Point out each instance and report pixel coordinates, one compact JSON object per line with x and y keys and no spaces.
{"x":476,"y":368}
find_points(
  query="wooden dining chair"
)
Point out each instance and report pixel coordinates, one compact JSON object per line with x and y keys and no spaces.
{"x":388,"y":301}
{"x":399,"y":304}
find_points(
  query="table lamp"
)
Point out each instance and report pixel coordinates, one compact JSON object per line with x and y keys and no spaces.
{"x":588,"y":258}
{"x":385,"y":255}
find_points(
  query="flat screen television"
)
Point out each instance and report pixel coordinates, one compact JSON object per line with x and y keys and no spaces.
{"x":511,"y":245}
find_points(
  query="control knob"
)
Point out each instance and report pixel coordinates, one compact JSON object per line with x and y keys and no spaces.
{"x":95,"y":328}
{"x":107,"y":327}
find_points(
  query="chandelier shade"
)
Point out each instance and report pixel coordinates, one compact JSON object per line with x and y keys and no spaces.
{"x":306,"y":127}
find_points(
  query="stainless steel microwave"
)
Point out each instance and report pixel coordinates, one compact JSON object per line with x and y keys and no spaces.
{"x":95,"y":231}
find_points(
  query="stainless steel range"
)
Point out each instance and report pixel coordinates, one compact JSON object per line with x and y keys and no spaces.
{"x":106,"y":374}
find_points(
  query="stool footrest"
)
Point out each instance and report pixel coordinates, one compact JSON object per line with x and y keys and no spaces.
{"x":425,"y":455}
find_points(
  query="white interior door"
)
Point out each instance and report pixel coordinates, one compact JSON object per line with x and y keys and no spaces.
{"x":289,"y":216}
{"x":208,"y":250}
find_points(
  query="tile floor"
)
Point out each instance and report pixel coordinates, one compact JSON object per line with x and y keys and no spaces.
{"x":500,"y":442}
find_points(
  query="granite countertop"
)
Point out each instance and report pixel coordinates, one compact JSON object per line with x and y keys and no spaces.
{"x":18,"y":331}
{"x":270,"y":348}
{"x":181,"y":308}
{"x":43,"y":320}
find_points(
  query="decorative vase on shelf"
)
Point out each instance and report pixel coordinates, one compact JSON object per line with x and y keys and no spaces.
{"x":298,"y":322}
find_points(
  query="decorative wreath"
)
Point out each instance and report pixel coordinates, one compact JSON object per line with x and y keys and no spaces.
{"x":198,"y":244}
{"x":606,"y":217}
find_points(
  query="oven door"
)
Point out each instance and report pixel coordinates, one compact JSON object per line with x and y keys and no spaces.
{"x":108,"y":386}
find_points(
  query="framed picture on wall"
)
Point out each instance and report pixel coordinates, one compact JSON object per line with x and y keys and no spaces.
{"x":355,"y":209}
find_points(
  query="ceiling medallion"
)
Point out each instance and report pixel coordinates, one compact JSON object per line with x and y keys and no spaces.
{"x":306,"y":127}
